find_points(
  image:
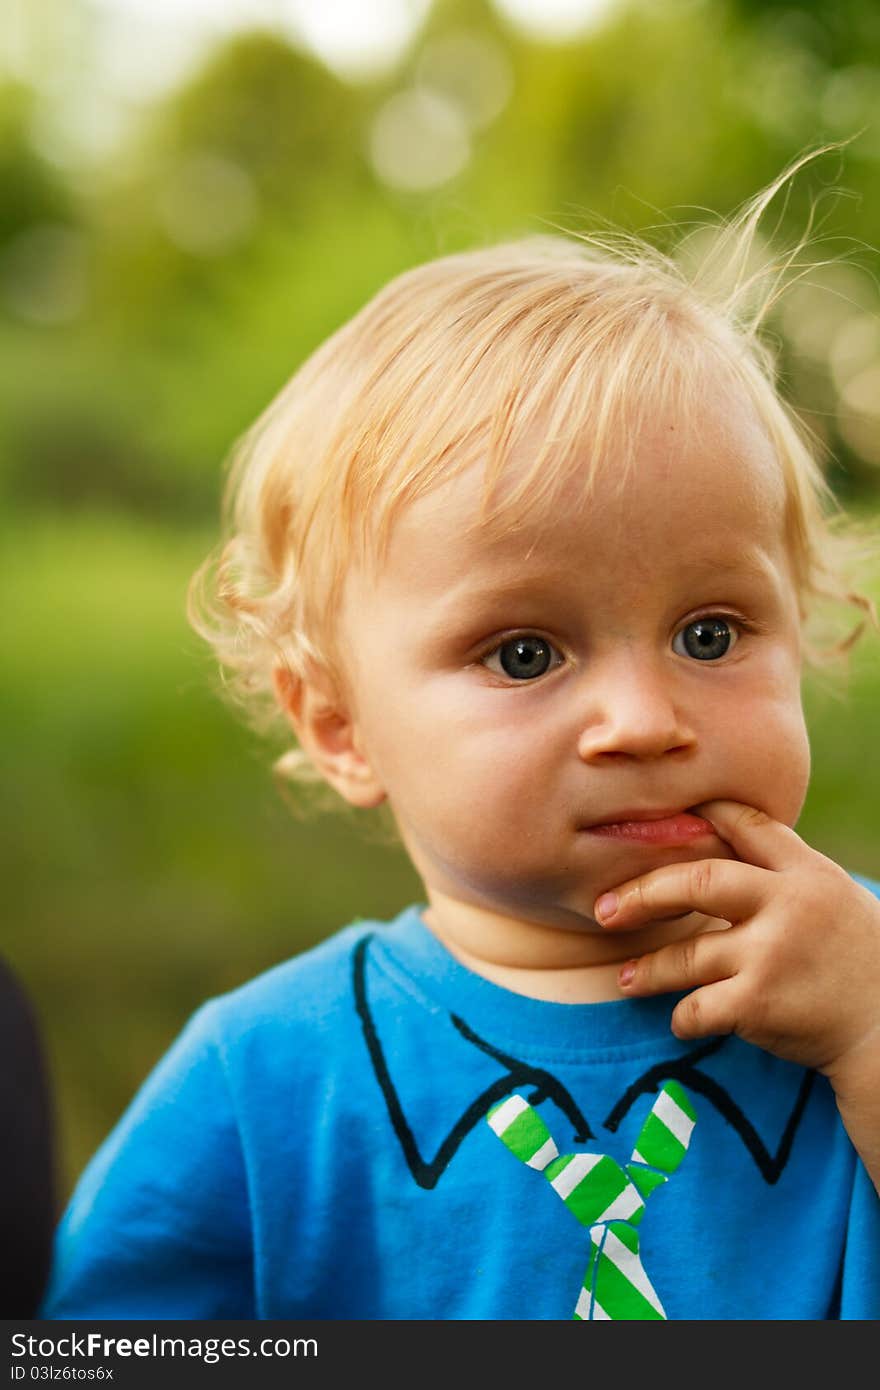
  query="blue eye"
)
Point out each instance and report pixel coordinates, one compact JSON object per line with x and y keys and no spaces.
{"x":522,"y":658}
{"x":706,"y":639}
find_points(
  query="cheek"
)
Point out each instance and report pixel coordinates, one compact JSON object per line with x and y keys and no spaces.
{"x":792,"y":771}
{"x":469,"y":759}
{"x":772,"y":753}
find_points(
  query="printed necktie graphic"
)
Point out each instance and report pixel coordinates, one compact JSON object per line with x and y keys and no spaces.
{"x":606,"y":1198}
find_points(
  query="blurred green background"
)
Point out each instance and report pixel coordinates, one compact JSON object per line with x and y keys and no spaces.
{"x":193,"y":196}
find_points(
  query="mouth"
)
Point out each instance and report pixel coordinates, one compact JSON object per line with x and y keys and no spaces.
{"x":654,"y":827}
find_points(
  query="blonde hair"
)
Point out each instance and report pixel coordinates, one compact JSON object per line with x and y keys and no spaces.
{"x":562,"y":339}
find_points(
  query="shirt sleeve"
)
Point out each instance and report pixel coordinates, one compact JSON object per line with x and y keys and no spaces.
{"x":860,"y":1282}
{"x":158,"y":1226}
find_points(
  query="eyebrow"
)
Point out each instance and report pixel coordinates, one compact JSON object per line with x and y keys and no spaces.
{"x":748,"y":565}
{"x":486,"y":601}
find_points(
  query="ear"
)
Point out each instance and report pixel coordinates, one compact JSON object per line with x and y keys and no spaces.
{"x":327,"y":732}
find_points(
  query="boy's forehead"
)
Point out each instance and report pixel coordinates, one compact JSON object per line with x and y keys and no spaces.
{"x":707,"y":480}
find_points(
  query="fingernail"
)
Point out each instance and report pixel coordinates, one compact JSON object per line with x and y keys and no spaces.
{"x":606,"y":906}
{"x":626,"y":972}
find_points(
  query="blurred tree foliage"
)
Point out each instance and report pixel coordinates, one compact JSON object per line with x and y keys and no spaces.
{"x":149,"y":310}
{"x":33,"y":192}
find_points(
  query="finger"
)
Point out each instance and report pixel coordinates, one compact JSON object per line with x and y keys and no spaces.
{"x":712,"y":1010}
{"x":688,"y":964}
{"x":722,"y":888}
{"x":755,"y":837}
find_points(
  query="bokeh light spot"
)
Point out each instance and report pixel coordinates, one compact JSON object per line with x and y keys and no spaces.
{"x":555,"y":19}
{"x":471,"y":71}
{"x":207,"y":205}
{"x":418,"y":141}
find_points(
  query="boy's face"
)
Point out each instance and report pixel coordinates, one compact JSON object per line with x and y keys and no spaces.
{"x":631,"y":656}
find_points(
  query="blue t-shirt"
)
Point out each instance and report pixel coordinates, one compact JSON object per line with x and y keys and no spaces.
{"x":315,"y":1145}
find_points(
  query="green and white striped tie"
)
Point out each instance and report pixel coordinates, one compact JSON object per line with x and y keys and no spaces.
{"x":606,"y":1198}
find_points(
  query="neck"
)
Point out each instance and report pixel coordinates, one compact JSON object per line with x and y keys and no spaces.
{"x":566,"y":966}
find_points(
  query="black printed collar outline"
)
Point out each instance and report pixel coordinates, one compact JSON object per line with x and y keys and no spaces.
{"x":427,"y":1172}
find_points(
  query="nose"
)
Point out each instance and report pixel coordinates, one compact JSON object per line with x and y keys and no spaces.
{"x":632,"y":711}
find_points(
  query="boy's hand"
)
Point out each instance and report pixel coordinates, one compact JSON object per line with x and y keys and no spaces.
{"x":798,"y":970}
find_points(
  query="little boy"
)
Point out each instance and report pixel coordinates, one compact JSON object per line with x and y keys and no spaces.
{"x":526,"y":551}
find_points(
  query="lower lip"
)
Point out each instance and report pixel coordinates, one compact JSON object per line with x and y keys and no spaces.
{"x":671,"y":830}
